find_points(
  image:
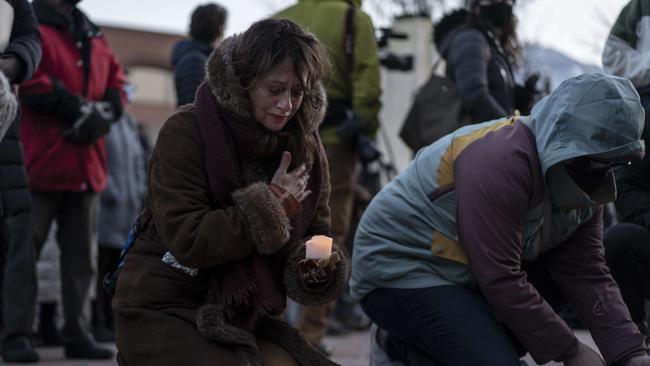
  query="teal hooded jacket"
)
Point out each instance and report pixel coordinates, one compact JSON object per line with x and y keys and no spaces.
{"x":475,"y":204}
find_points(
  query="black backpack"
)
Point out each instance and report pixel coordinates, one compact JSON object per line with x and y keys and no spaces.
{"x":435,"y":112}
{"x":110,"y":279}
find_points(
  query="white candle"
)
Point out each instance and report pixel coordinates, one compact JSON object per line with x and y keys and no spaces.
{"x":319,"y":246}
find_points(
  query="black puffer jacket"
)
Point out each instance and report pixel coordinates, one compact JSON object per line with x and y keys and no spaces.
{"x":25,"y":44}
{"x":479,"y":68}
{"x":14,"y":193}
{"x":633,"y":184}
{"x":188,"y":60}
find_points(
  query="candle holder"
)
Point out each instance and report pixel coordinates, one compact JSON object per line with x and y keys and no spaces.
{"x":316,"y":274}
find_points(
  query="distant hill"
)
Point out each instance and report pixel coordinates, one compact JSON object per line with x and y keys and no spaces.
{"x":552,"y":65}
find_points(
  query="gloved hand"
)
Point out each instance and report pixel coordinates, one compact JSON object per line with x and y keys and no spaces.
{"x":525,"y":94}
{"x":11,"y":67}
{"x":8,"y":105}
{"x":94,"y":122}
{"x":315,"y":274}
{"x":585,"y":357}
{"x":531,"y":83}
{"x":639,"y":360}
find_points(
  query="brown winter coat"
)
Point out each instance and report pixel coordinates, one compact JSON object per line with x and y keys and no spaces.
{"x":156,"y":304}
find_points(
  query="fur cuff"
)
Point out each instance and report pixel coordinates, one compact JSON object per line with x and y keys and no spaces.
{"x":299,"y":293}
{"x":267,"y":221}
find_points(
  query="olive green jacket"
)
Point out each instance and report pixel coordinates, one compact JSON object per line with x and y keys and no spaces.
{"x":326,"y":19}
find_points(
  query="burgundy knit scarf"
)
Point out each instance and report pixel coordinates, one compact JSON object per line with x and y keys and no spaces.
{"x":250,"y":288}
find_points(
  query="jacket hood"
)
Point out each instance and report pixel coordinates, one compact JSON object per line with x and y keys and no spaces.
{"x":593,"y":115}
{"x":224,"y":82}
{"x":189,"y":45}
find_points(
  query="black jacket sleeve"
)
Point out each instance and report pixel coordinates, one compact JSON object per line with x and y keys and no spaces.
{"x":60,"y":102}
{"x":469,"y":57}
{"x":25,"y":42}
{"x":188,"y":75}
{"x":633,"y":185}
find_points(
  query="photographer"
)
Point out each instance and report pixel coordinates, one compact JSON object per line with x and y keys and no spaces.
{"x":353,"y":93}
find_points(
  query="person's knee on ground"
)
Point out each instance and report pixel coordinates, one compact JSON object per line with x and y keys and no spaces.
{"x":624,"y":240}
{"x":628,"y":259}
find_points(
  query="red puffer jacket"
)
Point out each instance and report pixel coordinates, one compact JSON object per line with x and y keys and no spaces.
{"x":51,"y":101}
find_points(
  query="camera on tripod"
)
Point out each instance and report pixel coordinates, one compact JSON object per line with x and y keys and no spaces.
{"x":390,"y":60}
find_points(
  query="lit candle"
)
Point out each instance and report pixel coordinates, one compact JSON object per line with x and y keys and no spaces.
{"x":319,"y":246}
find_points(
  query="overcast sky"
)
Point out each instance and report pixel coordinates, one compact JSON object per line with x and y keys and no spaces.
{"x":575,"y":27}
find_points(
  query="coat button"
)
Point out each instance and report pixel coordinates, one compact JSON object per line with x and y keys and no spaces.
{"x":80,"y":63}
{"x":83,"y":186}
{"x":438,"y":249}
{"x":79,"y":44}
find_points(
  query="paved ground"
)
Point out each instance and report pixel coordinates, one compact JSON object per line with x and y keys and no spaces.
{"x":349,"y":350}
{"x":354,"y":349}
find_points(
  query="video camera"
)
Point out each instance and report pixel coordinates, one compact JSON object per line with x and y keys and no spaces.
{"x":390,"y":60}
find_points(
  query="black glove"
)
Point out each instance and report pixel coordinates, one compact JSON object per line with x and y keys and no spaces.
{"x":95,"y":121}
{"x":525,"y":94}
{"x":585,"y":357}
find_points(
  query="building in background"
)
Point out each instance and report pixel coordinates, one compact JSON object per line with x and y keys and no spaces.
{"x":145,"y":55}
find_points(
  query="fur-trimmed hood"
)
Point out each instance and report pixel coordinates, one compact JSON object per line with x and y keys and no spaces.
{"x":224,"y":82}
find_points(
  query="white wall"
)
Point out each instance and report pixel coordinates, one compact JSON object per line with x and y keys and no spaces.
{"x":399,"y":87}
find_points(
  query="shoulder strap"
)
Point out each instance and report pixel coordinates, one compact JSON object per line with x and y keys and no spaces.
{"x":348,"y":48}
{"x":143,"y":219}
{"x":436,"y":64}
{"x":109,"y":282}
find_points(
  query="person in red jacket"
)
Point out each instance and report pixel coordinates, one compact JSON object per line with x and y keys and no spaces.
{"x":68,"y":105}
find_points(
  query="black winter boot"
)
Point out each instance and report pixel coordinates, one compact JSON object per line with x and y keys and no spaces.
{"x":48,"y":332}
{"x":19,"y":350}
{"x":87,"y":349}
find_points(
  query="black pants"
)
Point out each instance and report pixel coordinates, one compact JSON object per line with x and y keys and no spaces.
{"x":76,"y":215}
{"x":452,"y":325}
{"x":627,"y":251}
{"x":19,"y":285}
